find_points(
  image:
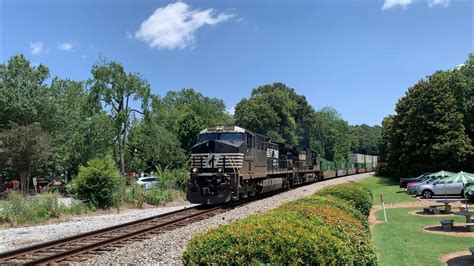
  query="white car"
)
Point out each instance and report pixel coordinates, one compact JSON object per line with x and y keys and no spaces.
{"x":147,"y":182}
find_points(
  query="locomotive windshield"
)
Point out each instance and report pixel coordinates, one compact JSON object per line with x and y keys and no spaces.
{"x":222,"y":136}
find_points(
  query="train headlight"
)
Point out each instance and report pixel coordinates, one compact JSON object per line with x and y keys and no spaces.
{"x":220,"y":170}
{"x":195,"y":170}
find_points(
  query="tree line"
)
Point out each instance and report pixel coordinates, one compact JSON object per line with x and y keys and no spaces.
{"x":433,"y":127}
{"x":56,"y":125}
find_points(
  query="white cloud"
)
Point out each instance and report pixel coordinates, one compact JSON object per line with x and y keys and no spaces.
{"x":65,"y":46}
{"x":36,"y":47}
{"x":174,"y":25}
{"x":443,"y":3}
{"x":392,"y":3}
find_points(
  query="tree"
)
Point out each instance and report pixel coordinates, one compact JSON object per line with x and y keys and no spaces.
{"x":22,"y":92}
{"x":187,"y":112}
{"x":277,"y":111}
{"x":24,"y":149}
{"x":366,"y":139}
{"x":119,"y":90}
{"x":80,"y":129}
{"x":430,"y":130}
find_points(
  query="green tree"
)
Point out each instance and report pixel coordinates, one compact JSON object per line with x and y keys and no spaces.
{"x":187,"y":112}
{"x":428,"y":132}
{"x":22,"y":92}
{"x":81,"y":131}
{"x":24,"y":149}
{"x":119,"y":90}
{"x":366,"y":139}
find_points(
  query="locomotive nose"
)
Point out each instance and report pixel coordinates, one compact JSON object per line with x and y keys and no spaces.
{"x":216,"y":146}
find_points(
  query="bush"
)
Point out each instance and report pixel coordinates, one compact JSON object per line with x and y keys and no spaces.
{"x":341,"y":204}
{"x":155,"y":196}
{"x":18,"y":209}
{"x":99,"y":184}
{"x":352,"y":192}
{"x":273,"y":238}
{"x":135,"y":195}
{"x":342,"y":224}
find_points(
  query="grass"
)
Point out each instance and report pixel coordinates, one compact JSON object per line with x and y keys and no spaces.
{"x":401,"y":241}
{"x":388,"y":187}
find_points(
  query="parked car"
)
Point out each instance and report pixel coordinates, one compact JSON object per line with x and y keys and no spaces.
{"x":147,"y":182}
{"x":413,"y":186}
{"x":469,"y":192}
{"x":440,"y":188}
{"x":404,"y":181}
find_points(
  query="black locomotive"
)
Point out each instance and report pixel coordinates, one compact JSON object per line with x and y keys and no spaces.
{"x":230,"y":163}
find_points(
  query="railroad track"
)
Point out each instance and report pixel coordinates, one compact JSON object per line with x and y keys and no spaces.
{"x":84,"y":246}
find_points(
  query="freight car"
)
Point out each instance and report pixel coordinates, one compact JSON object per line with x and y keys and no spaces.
{"x":229,"y":163}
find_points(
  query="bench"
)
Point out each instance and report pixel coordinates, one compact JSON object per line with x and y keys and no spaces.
{"x":470,"y":226}
{"x":447,"y":224}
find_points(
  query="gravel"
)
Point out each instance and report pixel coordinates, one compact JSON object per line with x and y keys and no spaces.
{"x":168,"y":247}
{"x":13,"y":238}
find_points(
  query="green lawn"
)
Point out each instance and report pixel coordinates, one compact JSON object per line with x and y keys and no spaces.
{"x":388,"y":187}
{"x":401,"y":241}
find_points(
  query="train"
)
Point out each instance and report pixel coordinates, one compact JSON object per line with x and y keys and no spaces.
{"x":230,"y":163}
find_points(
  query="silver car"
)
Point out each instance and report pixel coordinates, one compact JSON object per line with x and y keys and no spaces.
{"x":440,"y":188}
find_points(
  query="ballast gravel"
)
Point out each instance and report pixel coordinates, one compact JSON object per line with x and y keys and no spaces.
{"x":167,"y":248}
{"x":13,"y":238}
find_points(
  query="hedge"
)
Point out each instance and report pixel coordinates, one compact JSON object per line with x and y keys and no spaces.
{"x":341,"y":204}
{"x":274,"y":237}
{"x":341,"y":224}
{"x":355,"y":193}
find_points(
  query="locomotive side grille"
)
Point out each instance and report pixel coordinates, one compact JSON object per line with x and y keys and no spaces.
{"x":215,"y":160}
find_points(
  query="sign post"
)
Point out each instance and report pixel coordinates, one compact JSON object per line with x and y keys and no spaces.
{"x":383,"y":208}
{"x":35,"y":183}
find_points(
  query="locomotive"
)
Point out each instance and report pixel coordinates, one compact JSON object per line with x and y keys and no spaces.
{"x":230,"y":163}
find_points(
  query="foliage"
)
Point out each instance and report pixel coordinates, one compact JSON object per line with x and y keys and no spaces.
{"x":432,"y":128}
{"x":22,"y":92}
{"x":341,"y":224}
{"x":272,"y":238}
{"x":117,"y":89}
{"x":157,"y":196}
{"x":335,"y":202}
{"x":24,"y":149}
{"x":278,"y":112}
{"x":366,"y":139}
{"x":19,"y":210}
{"x":187,"y":112}
{"x":135,"y":195}
{"x":352,"y":192}
{"x":99,"y":184}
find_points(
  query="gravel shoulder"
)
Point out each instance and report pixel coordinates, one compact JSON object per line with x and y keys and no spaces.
{"x":13,"y":238}
{"x":168,"y":247}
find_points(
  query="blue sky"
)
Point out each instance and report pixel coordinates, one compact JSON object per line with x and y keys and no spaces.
{"x":354,"y":55}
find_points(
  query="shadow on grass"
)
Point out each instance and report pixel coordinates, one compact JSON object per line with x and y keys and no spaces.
{"x":388,"y":181}
{"x":461,"y":260}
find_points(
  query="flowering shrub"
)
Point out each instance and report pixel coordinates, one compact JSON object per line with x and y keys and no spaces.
{"x":313,"y":230}
{"x":274,"y":237}
{"x":352,"y":192}
{"x":342,"y":224}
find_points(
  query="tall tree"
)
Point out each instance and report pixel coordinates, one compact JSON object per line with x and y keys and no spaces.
{"x":187,"y":112}
{"x":428,"y":132}
{"x":26,"y":148}
{"x":366,"y":139}
{"x":119,"y":90}
{"x":22,"y":92}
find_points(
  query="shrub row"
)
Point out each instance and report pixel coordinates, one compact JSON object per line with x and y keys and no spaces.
{"x":313,"y":230}
{"x":355,"y":193}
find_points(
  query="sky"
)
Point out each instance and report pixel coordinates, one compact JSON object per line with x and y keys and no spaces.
{"x":357,"y":56}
